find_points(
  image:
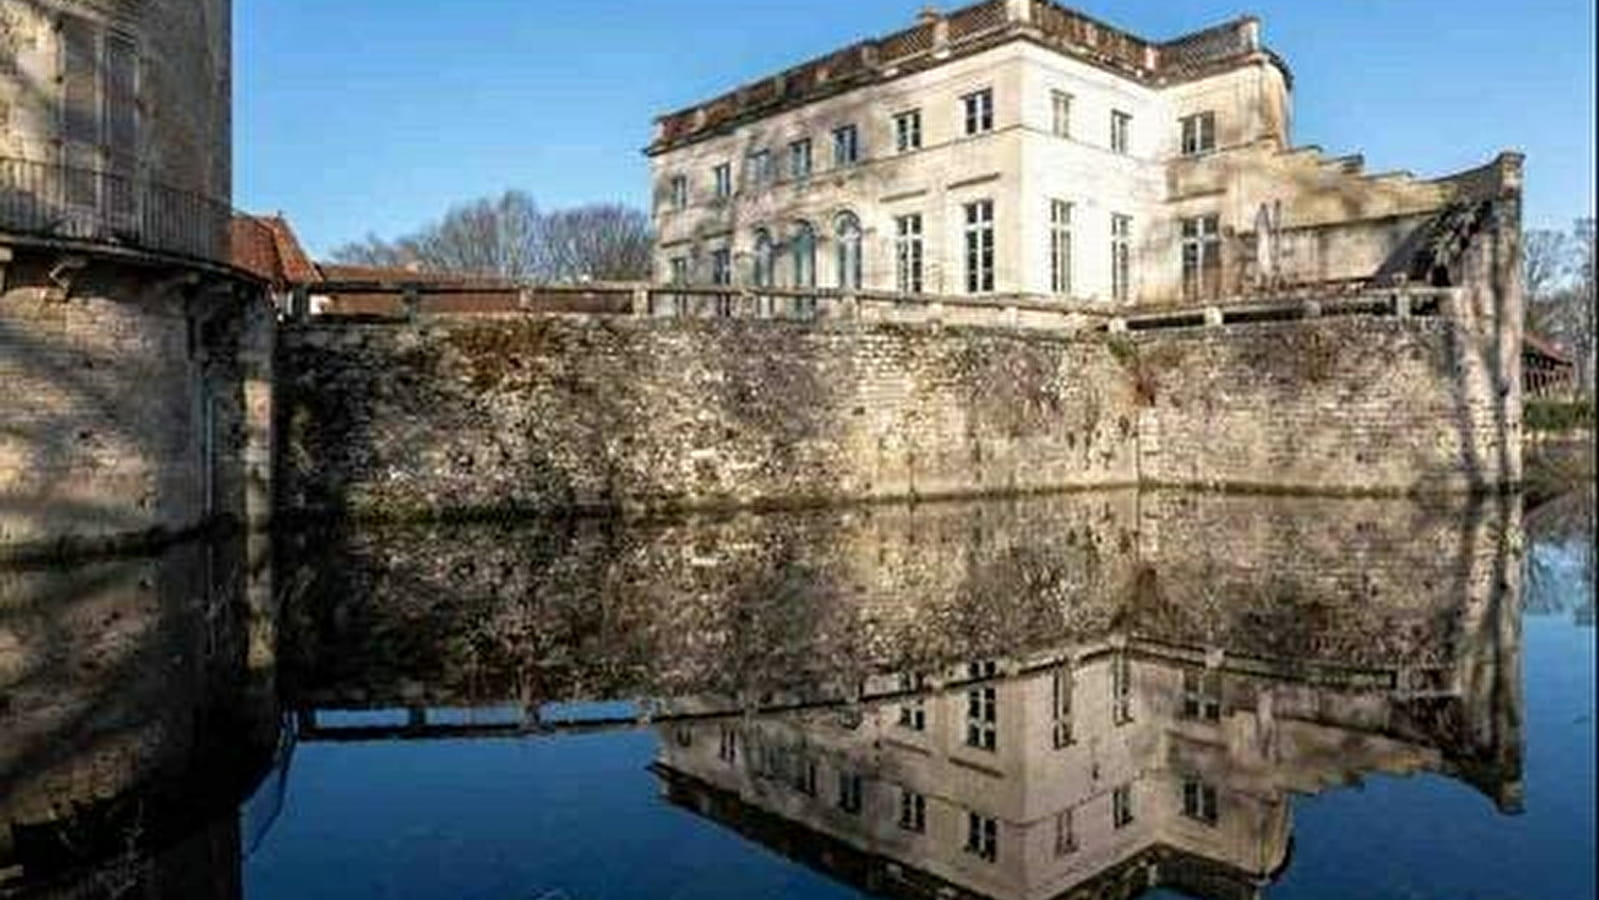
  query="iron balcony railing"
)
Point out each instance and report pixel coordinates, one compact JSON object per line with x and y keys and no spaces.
{"x":53,"y":200}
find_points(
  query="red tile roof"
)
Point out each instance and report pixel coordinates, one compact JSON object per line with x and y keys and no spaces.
{"x":266,"y":246}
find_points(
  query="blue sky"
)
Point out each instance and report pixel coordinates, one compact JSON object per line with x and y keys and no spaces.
{"x":357,"y":116}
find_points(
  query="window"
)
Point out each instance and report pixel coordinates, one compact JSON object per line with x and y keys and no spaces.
{"x":723,"y":174}
{"x":908,"y":253}
{"x":679,"y":191}
{"x":1060,"y":104}
{"x":727,"y":750}
{"x":912,"y":811}
{"x":1121,"y":689}
{"x":679,"y":269}
{"x":763,"y":260}
{"x":979,"y":247}
{"x":802,"y":249}
{"x":846,"y":146}
{"x":721,"y":266}
{"x":683,"y":735}
{"x":804,"y":777}
{"x":799,"y":158}
{"x":847,"y":231}
{"x":912,"y":713}
{"x":982,"y":836}
{"x":1061,"y":707}
{"x":1201,"y":694}
{"x":1121,"y":126}
{"x":1060,"y":247}
{"x":1199,"y":801}
{"x":1121,"y":235}
{"x":979,"y":111}
{"x":762,"y":172}
{"x":1201,"y":258}
{"x":122,"y":101}
{"x":80,"y":119}
{"x":849,"y":792}
{"x":1199,"y":133}
{"x":982,"y":708}
{"x":908,"y":131}
{"x":1121,"y":806}
{"x":1065,"y":834}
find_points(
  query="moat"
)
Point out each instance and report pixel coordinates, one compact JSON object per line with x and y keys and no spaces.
{"x":1097,"y":694}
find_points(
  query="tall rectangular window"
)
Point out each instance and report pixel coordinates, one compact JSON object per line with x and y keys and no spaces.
{"x":799,"y":158}
{"x":979,"y":247}
{"x":721,"y":266}
{"x":1121,"y":128}
{"x":723,"y":174}
{"x":1121,"y":806}
{"x":849,"y":792}
{"x":80,"y":99}
{"x":1199,"y":133}
{"x":803,"y":776}
{"x":1060,"y":247}
{"x":1201,"y":258}
{"x":1121,"y":254}
{"x":1201,"y":694}
{"x":979,"y":108}
{"x":762,"y":173}
{"x":122,"y":101}
{"x":908,"y":131}
{"x":1121,"y":689}
{"x":1060,"y":104}
{"x":679,"y":266}
{"x":982,"y":836}
{"x":1065,"y":833}
{"x":846,"y":145}
{"x":727,"y":749}
{"x":1199,"y":801}
{"x":912,"y":811}
{"x":1061,"y":708}
{"x":912,"y":713}
{"x":982,"y":708}
{"x":908,"y":253}
{"x":679,"y":192}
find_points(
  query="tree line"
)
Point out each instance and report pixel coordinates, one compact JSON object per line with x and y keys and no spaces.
{"x":511,"y":237}
{"x":1558,"y":280}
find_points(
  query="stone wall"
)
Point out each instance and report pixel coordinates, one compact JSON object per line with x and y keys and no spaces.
{"x":540,"y":414}
{"x":607,"y":414}
{"x":1336,"y":405}
{"x":125,"y":410}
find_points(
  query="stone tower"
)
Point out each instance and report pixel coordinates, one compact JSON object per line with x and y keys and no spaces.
{"x":129,"y":346}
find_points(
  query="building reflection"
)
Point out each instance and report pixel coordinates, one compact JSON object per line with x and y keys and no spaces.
{"x":139,"y":707}
{"x":1163,"y":753}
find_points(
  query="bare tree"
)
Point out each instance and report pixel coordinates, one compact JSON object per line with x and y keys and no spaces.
{"x":510,"y":237}
{"x":1546,"y":258}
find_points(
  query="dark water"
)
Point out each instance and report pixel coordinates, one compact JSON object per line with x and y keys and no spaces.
{"x":1099,"y":695}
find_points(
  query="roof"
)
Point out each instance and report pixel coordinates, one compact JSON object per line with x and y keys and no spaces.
{"x":1537,"y":345}
{"x":968,"y":30}
{"x":266,"y":246}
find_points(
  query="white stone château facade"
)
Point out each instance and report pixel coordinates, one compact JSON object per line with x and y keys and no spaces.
{"x":1017,"y":147}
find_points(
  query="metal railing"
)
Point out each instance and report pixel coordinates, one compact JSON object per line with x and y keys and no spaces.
{"x":53,"y":200}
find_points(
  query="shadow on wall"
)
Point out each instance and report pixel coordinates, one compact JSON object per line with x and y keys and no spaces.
{"x":125,"y":411}
{"x":135,"y":715}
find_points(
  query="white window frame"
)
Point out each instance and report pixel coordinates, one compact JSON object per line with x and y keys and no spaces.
{"x":800,"y":163}
{"x":722,"y":173}
{"x":1121,"y":254}
{"x":846,"y":146}
{"x":1198,"y":133}
{"x":1060,"y":247}
{"x":1121,"y":132}
{"x":912,"y":811}
{"x":908,"y":131}
{"x":679,"y":192}
{"x":978,"y":108}
{"x":982,"y":836}
{"x":982,"y":709}
{"x":908,"y":254}
{"x":1060,"y":108}
{"x":979,"y":245}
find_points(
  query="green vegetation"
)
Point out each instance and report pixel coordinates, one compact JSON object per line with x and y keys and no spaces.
{"x":1557,"y":415}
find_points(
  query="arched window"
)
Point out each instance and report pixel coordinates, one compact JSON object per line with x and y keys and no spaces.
{"x":847,"y":229}
{"x":764,"y":259}
{"x":803,"y":249}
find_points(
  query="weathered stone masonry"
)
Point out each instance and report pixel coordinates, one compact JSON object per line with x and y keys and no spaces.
{"x":577,"y":413}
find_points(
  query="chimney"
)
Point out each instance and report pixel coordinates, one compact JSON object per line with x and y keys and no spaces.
{"x":1019,"y":12}
{"x":928,"y":14}
{"x":1249,"y":31}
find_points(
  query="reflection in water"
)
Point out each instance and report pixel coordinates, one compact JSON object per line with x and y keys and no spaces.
{"x":1091,"y":694}
{"x":138,"y":707}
